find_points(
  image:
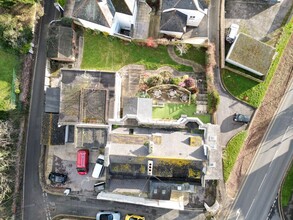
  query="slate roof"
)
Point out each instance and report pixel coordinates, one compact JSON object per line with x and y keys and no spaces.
{"x":251,"y":53}
{"x":174,"y":21}
{"x":89,"y":10}
{"x":182,"y":4}
{"x":121,"y":6}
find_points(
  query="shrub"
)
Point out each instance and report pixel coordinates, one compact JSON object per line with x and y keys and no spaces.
{"x":175,"y":81}
{"x":189,"y":82}
{"x":154,"y":80}
{"x":193,"y":98}
{"x":213,"y":101}
{"x":166,"y":76}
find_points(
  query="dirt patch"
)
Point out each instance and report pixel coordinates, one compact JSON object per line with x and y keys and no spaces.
{"x":262,"y":119}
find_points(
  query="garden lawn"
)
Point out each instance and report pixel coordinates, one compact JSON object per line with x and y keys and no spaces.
{"x":173,"y":111}
{"x":8,"y":62}
{"x":231,"y":152}
{"x":287,"y":189}
{"x":109,"y":53}
{"x":240,"y":86}
{"x":196,"y":54}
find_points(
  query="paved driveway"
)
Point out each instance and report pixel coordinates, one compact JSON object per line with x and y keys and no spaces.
{"x":257,"y":18}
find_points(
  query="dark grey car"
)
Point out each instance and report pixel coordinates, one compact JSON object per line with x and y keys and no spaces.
{"x":241,"y":118}
{"x":57,"y":177}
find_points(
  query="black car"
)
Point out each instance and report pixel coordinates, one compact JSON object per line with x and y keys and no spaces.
{"x":241,"y":118}
{"x":57,"y":177}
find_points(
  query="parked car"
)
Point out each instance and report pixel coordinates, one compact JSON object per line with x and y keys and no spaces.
{"x":57,"y":177}
{"x":99,"y":166}
{"x":82,"y":161}
{"x":241,"y":118}
{"x":134,"y":217}
{"x":232,"y":33}
{"x":108,"y":215}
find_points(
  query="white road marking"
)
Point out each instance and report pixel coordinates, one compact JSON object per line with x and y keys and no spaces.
{"x":262,"y":182}
{"x":249,"y":208}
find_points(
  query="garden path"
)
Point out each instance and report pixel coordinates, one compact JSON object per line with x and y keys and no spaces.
{"x":195,"y":66}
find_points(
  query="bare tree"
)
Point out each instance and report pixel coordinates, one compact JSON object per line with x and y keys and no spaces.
{"x":182,"y":48}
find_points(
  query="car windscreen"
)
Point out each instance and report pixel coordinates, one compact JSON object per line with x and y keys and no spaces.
{"x":100,"y":161}
{"x":81,"y":169}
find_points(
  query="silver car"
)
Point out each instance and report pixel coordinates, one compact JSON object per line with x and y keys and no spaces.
{"x":108,"y":215}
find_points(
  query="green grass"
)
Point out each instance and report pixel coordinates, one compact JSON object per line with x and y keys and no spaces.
{"x":231,"y":152}
{"x":109,"y":53}
{"x":174,"y":111}
{"x":205,"y":118}
{"x":8,"y":62}
{"x":196,"y":54}
{"x":287,"y":189}
{"x":240,"y":86}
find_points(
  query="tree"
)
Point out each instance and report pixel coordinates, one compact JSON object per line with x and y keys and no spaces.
{"x":11,"y":3}
{"x":7,"y":159}
{"x":182,"y":48}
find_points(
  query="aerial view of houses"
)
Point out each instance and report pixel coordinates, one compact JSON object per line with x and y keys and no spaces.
{"x":146,"y":109}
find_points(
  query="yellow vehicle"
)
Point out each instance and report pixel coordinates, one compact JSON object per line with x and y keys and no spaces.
{"x":134,"y":217}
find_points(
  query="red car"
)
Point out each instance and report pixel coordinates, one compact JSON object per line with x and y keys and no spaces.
{"x":82,"y":161}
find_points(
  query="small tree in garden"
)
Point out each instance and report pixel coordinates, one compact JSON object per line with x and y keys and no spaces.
{"x":182,"y":48}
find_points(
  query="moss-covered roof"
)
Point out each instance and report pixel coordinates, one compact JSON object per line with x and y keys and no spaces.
{"x":251,"y":53}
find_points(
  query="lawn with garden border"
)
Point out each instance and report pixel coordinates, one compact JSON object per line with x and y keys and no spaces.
{"x":109,"y":53}
{"x":248,"y":90}
{"x":8,"y":62}
{"x":287,"y":188}
{"x":231,"y":152}
{"x":196,"y":54}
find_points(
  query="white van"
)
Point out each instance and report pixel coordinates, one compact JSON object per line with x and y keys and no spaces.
{"x":99,"y":166}
{"x":233,"y":31}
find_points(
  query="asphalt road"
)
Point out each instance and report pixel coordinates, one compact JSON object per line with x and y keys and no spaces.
{"x":33,"y":206}
{"x":228,"y":104}
{"x":260,"y":188}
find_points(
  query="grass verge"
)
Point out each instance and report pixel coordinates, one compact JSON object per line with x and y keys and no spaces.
{"x":8,"y":62}
{"x":109,"y":53}
{"x":231,"y":152}
{"x":196,"y":54}
{"x":287,"y":189}
{"x":254,"y":92}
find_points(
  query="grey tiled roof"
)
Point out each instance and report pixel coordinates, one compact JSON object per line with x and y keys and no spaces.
{"x":173,"y":21}
{"x":89,"y":10}
{"x":183,"y":4}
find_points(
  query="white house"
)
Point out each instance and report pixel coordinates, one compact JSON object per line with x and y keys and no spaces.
{"x":176,"y":15}
{"x":115,"y":17}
